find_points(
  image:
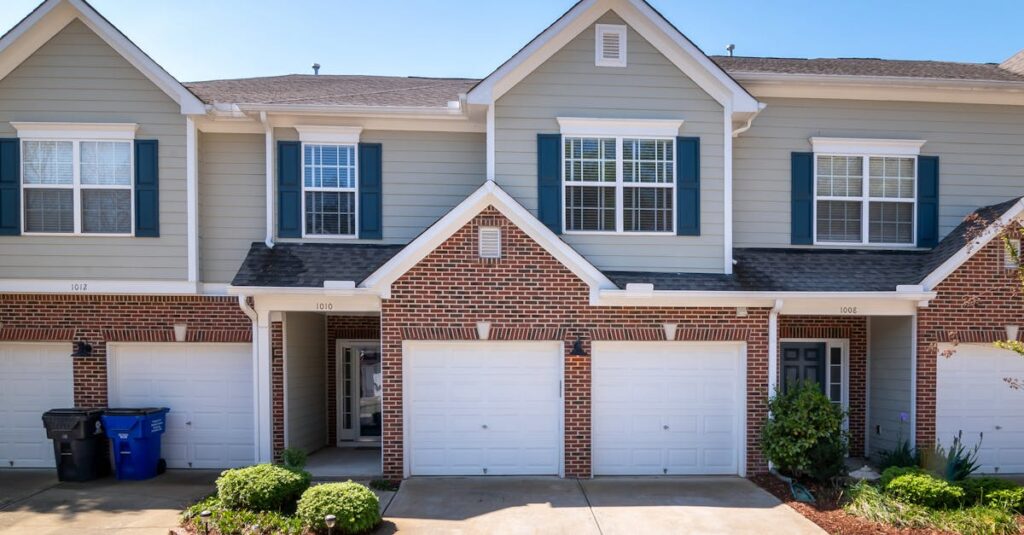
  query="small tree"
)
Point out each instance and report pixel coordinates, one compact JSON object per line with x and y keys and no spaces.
{"x":804,"y":435}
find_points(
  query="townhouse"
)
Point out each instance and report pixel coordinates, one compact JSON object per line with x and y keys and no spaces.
{"x":600,"y":259}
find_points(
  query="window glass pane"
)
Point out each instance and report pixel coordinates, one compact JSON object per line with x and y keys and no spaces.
{"x":49,"y":210}
{"x":892,"y":178}
{"x":840,"y":176}
{"x":330,"y":212}
{"x":891,"y":222}
{"x":329,"y":166}
{"x":648,"y":160}
{"x":107,"y":211}
{"x":48,"y":162}
{"x":647,"y":209}
{"x":836,"y":357}
{"x":835,"y":393}
{"x":106,"y":163}
{"x":839,"y":221}
{"x":589,"y":159}
{"x":589,"y":208}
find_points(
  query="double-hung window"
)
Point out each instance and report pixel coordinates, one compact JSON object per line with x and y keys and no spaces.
{"x":330,"y":180}
{"x":76,"y":185}
{"x":865,"y":195}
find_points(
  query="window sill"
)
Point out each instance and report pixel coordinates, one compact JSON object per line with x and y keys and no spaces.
{"x":330,"y":236}
{"x":861,"y":245}
{"x":615,"y":233}
{"x":78,"y":234}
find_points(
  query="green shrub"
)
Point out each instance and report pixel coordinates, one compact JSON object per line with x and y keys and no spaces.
{"x":901,"y":456}
{"x":1009,"y":499}
{"x":384,"y":484}
{"x":264,"y":487}
{"x":978,"y":489}
{"x":955,"y":464}
{"x":925,"y":490}
{"x":294,"y":458}
{"x":896,"y":471}
{"x":355,"y":506}
{"x":239,"y":522}
{"x":803,"y":423}
{"x":866,"y":501}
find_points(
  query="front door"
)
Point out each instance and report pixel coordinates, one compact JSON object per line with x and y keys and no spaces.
{"x":359,"y":401}
{"x":803,"y":361}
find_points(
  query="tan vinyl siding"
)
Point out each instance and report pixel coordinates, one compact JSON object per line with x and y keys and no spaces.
{"x":232,"y":206}
{"x":76,"y":77}
{"x":889,"y":356}
{"x":980,"y":150}
{"x":650,"y":87}
{"x":425,"y":175}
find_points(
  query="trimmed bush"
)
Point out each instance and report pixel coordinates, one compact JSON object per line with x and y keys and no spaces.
{"x":264,"y":487}
{"x":804,"y":436}
{"x":355,"y":506}
{"x":893,"y":472}
{"x":1009,"y":499}
{"x":926,"y":490}
{"x":979,"y":489}
{"x":866,"y":501}
{"x":294,"y":458}
{"x":232,"y":521}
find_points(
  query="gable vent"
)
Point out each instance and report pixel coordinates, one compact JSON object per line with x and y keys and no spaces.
{"x":610,"y":47}
{"x":490,"y":242}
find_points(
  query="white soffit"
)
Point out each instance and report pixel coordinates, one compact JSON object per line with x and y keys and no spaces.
{"x":106,"y":131}
{"x":329,"y":134}
{"x":583,"y":126}
{"x":845,"y":145}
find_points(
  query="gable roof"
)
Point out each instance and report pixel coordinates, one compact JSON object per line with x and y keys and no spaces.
{"x":872,"y":67}
{"x":52,"y":16}
{"x":334,"y":90}
{"x":643,"y":19}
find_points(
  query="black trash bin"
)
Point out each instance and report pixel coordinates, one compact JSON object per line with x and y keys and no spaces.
{"x":79,"y":444}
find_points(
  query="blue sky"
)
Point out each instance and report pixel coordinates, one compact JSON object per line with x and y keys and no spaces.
{"x":204,"y":39}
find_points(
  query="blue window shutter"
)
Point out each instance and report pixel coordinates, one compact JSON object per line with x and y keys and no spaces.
{"x":10,"y":187}
{"x":370,"y":198}
{"x":549,"y":181}
{"x":147,"y":188}
{"x":927,"y":201}
{"x":688,"y":186}
{"x":802,"y":191}
{"x":289,"y":189}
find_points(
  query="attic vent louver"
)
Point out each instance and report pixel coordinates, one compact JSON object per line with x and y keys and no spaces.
{"x":490,"y":242}
{"x":610,"y":45}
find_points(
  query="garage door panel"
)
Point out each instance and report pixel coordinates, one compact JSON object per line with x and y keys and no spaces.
{"x":480,"y":406}
{"x":34,"y":377}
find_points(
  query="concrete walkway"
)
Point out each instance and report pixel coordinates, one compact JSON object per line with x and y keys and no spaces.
{"x":607,"y":506}
{"x":32,"y":501}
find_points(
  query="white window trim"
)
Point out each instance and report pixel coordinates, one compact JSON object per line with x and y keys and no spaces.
{"x":599,"y":31}
{"x":846,"y":146}
{"x":620,"y":185}
{"x":865,"y":200}
{"x":632,"y":128}
{"x":329,"y":135}
{"x":353,"y":190}
{"x":76,"y":186}
{"x":76,"y":131}
{"x":1008,"y":262}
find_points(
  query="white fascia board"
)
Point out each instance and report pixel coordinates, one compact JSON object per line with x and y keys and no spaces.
{"x":265,"y":303}
{"x":489,"y":194}
{"x":777,"y":85}
{"x":856,"y":146}
{"x":966,"y":252}
{"x":298,"y":290}
{"x":65,"y":130}
{"x":329,"y":134}
{"x":90,"y":287}
{"x":830,"y":303}
{"x":587,"y":126}
{"x":412,"y":112}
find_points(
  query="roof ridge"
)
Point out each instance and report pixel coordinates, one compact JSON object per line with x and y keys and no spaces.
{"x":363,"y":93}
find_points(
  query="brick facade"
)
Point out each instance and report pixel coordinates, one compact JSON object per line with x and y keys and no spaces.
{"x":98,"y":319}
{"x":343,"y":328}
{"x":851,"y":328}
{"x":526,"y":291}
{"x":974,"y":304}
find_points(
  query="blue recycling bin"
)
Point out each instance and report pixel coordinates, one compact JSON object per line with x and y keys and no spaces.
{"x":135,"y":439}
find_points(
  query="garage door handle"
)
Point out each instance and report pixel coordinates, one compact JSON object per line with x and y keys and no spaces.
{"x":188,"y":422}
{"x":484,"y":426}
{"x":665,"y":427}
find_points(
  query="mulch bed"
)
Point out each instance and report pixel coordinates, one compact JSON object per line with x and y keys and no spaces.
{"x":829,"y":515}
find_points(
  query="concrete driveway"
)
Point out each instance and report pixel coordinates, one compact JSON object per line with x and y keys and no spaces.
{"x":32,"y":501}
{"x":607,"y":506}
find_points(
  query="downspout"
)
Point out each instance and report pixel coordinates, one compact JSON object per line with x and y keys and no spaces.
{"x":268,"y":150}
{"x":243,"y":303}
{"x":773,"y":352}
{"x":750,"y":122}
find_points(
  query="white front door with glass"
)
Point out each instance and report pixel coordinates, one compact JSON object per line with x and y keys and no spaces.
{"x":359,"y":393}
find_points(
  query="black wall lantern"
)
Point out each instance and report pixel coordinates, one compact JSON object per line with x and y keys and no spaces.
{"x":82,"y":349}
{"x":577,"y":348}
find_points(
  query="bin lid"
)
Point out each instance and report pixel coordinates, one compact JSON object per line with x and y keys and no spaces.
{"x":134,"y":412}
{"x":91,"y":411}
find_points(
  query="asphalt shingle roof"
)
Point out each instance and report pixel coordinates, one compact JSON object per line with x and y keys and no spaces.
{"x":334,"y":90}
{"x":943,"y":70}
{"x":308,"y":265}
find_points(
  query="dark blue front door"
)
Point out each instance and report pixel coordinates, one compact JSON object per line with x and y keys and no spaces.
{"x":803,"y":361}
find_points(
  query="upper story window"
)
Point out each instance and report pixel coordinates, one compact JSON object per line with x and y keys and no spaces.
{"x":329,"y":181}
{"x":76,"y":180}
{"x":618,"y":180}
{"x":865,"y":191}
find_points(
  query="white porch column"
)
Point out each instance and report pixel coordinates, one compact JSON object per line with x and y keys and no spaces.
{"x":261,"y":389}
{"x":773,"y":346}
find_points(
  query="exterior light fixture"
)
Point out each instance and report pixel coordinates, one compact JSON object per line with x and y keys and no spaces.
{"x":180,"y":332}
{"x":1011,"y":332}
{"x":577,"y":347}
{"x":483,"y":329}
{"x":670,"y":331}
{"x":330,"y":520}
{"x":82,"y":349}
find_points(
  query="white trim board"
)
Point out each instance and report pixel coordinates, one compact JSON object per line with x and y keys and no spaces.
{"x":866,"y":146}
{"x":92,"y":286}
{"x":966,"y":252}
{"x":588,"y":126}
{"x":81,"y":131}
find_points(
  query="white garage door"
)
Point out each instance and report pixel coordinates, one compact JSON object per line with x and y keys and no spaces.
{"x":483,"y":408}
{"x":667,"y":407}
{"x":972,"y":397}
{"x":33,"y":379}
{"x":208,"y":388}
